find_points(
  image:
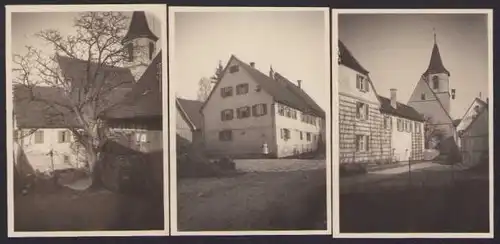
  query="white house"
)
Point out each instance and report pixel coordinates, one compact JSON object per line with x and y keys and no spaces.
{"x":249,"y":113}
{"x":373,"y":128}
{"x":473,"y":133}
{"x":189,"y":121}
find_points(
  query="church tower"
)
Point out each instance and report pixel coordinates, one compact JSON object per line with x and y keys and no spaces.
{"x":140,"y":44}
{"x":438,"y":77}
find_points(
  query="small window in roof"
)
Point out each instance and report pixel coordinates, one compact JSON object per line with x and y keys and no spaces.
{"x":234,"y":69}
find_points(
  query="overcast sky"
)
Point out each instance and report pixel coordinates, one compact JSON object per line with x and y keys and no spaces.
{"x":396,"y":49}
{"x":292,"y":41}
{"x":25,"y":25}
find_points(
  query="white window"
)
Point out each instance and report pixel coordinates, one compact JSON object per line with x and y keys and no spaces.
{"x":400,"y":125}
{"x":226,"y":91}
{"x":362,"y":111}
{"x":362,"y":143}
{"x":64,"y":136}
{"x":226,"y":135}
{"x":362,"y":83}
{"x":227,"y":114}
{"x":417,"y":127}
{"x":39,"y":137}
{"x":259,"y":110}
{"x":241,"y":89}
{"x":140,"y":137}
{"x":285,"y":134}
{"x":243,"y":112}
{"x":387,"y":122}
{"x":281,"y":110}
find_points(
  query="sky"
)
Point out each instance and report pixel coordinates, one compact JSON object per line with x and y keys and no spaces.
{"x":293,"y":42}
{"x":25,"y":25}
{"x":396,"y":50}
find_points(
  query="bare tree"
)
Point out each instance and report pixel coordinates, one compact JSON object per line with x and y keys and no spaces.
{"x":204,"y":88}
{"x":218,"y":72}
{"x":206,"y":85}
{"x":431,"y":131}
{"x":82,"y":100}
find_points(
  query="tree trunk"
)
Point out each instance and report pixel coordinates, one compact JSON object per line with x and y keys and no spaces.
{"x":94,"y":168}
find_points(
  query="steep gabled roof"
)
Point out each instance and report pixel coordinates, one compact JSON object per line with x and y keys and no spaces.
{"x":139,"y":28}
{"x":191,"y":110}
{"x":482,"y":103}
{"x":475,"y":119}
{"x":145,"y":97}
{"x":30,"y":113}
{"x":401,"y":110}
{"x":348,"y":60}
{"x":76,"y":70}
{"x":436,"y":63}
{"x":281,"y":89}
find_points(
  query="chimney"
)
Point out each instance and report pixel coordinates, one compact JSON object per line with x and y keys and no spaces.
{"x":252,"y":64}
{"x":394,"y":102}
{"x":299,"y":82}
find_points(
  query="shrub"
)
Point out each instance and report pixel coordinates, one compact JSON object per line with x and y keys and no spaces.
{"x":226,"y":163}
{"x":350,"y":169}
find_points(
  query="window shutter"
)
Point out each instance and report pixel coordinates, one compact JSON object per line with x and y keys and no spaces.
{"x":367,"y":111}
{"x":357,"y":82}
{"x":281,"y":133}
{"x":358,"y":110}
{"x":367,"y":143}
{"x":367,"y":84}
{"x":60,"y":136}
{"x":222,"y":115}
{"x":222,"y":92}
{"x":356,"y":141}
{"x":264,"y":109}
{"x":254,"y":110}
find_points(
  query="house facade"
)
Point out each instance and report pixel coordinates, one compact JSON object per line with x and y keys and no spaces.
{"x":249,"y":113}
{"x":473,"y":134}
{"x":188,"y":121}
{"x":373,"y":128}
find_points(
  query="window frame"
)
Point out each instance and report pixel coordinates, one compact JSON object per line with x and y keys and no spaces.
{"x":40,"y":139}
{"x":239,"y":87}
{"x":234,"y":69}
{"x":226,"y":135}
{"x":226,"y":91}
{"x":240,"y":110}
{"x":229,"y":111}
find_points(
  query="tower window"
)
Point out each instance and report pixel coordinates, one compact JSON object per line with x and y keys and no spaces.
{"x":435,"y":82}
{"x":422,"y":96}
{"x":151,"y":50}
{"x":130,"y":50}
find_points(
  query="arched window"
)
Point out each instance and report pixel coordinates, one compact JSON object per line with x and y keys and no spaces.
{"x":435,"y":82}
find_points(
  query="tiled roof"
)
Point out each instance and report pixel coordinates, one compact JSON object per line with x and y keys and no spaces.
{"x":145,"y":97}
{"x":436,"y":64}
{"x":31,"y":113}
{"x":139,"y":28}
{"x":348,"y":60}
{"x":284,"y":91}
{"x":402,"y":110}
{"x":192,"y":108}
{"x":76,"y":71}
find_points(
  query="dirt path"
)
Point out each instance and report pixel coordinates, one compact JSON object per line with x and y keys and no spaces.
{"x":253,"y":201}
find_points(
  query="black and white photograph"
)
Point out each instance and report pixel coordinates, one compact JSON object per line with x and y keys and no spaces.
{"x":415,"y":123}
{"x":85,"y":110}
{"x":251,"y":88}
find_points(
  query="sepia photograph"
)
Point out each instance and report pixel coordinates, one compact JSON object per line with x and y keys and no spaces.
{"x":251,"y":88}
{"x":415,"y":123}
{"x":85,"y":120}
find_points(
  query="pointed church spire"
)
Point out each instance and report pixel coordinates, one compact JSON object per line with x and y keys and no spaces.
{"x":436,"y":63}
{"x":139,"y":28}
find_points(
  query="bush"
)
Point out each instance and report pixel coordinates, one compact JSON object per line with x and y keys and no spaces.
{"x":350,"y":169}
{"x":226,"y":163}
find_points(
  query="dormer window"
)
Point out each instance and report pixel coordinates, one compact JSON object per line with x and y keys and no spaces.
{"x":435,"y":82}
{"x":234,"y":69}
{"x":362,"y":83}
{"x":130,"y":52}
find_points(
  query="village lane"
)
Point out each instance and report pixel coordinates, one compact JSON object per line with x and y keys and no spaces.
{"x":278,"y":194}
